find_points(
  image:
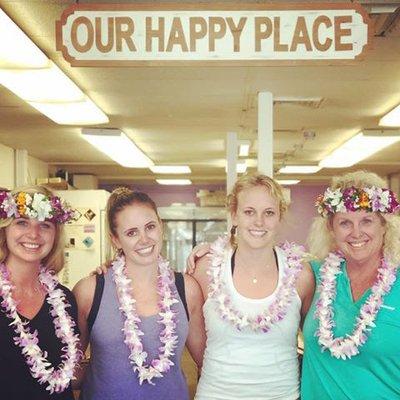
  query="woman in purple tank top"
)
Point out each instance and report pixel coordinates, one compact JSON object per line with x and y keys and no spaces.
{"x":138,"y":327}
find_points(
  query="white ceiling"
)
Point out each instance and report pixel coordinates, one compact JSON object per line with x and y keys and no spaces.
{"x":180,"y":115}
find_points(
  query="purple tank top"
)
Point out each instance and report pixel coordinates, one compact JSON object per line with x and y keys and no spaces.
{"x":110,"y":375}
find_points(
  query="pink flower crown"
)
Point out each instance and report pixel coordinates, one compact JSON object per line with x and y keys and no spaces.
{"x":372,"y":199}
{"x":37,"y":206}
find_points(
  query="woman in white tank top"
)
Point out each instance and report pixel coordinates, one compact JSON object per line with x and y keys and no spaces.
{"x":256,"y":295}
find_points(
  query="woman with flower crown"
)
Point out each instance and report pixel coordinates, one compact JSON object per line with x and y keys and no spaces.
{"x":352,"y":331}
{"x":256,"y":294}
{"x":38,"y":342}
{"x":133,"y":316}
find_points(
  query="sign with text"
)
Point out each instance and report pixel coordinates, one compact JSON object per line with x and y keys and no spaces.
{"x":129,"y":34}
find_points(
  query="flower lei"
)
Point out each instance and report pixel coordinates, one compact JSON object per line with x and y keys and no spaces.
{"x":132,"y":333}
{"x":40,"y":368}
{"x":350,"y":199}
{"x":37,"y":205}
{"x":348,"y":346}
{"x":276,"y":311}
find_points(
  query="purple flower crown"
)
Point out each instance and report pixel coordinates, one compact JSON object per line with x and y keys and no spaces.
{"x":372,"y":199}
{"x":37,"y":206}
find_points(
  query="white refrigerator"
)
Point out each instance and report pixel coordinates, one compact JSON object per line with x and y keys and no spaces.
{"x":85,"y":237}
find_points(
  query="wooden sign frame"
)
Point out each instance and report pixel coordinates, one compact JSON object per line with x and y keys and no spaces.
{"x":189,"y":29}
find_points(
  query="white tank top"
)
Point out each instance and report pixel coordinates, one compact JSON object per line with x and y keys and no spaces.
{"x":246,"y":364}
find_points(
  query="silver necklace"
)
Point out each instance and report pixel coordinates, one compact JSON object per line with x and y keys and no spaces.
{"x":254,"y":279}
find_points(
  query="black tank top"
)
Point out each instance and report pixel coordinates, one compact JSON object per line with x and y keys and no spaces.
{"x":16,"y":382}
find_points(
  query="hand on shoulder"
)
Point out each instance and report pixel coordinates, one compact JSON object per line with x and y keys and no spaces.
{"x":101,"y":270}
{"x":198,"y":252}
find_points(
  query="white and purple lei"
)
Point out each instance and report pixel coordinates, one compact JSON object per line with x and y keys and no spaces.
{"x":57,"y":379}
{"x":276,"y":311}
{"x":132,"y":333}
{"x":348,"y":346}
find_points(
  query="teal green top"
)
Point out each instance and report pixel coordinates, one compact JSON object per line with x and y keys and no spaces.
{"x":372,"y":374}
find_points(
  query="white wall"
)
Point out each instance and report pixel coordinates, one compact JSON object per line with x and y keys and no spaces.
{"x":36,"y":169}
{"x":7,"y":169}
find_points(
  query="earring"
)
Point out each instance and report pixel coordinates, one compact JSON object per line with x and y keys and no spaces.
{"x":120,"y":252}
{"x":233,"y":230}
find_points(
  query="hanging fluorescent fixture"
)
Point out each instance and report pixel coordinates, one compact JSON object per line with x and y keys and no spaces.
{"x":118,"y":146}
{"x":244,"y":148}
{"x":27,"y":72}
{"x":300,"y":169}
{"x":170,"y":169}
{"x":359,"y":147}
{"x":392,"y":118}
{"x":285,"y":182}
{"x":83,"y":112}
{"x":241,"y":167}
{"x":174,"y":181}
{"x":16,"y":49}
{"x":41,"y":85}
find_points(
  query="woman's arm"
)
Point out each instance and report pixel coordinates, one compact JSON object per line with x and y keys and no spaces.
{"x":200,"y":274}
{"x":305,"y":288}
{"x":196,"y":339}
{"x":84,"y":294}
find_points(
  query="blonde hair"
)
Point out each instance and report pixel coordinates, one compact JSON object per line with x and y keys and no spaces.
{"x":248,"y":181}
{"x":120,"y":198}
{"x":55,"y":259}
{"x":321,"y":240}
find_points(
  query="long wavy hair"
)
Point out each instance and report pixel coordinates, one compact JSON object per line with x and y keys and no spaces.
{"x":321,"y":240}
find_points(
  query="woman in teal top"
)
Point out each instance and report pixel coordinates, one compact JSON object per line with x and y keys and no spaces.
{"x":352,"y":331}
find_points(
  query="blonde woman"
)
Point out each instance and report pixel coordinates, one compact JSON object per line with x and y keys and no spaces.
{"x":38,"y":341}
{"x":256,"y":295}
{"x":351,"y":333}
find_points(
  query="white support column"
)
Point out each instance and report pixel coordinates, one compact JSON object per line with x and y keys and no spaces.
{"x":21,"y":167}
{"x":231,"y":160}
{"x":265,"y":134}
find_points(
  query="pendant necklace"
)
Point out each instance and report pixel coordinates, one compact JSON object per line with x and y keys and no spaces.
{"x":254,"y":279}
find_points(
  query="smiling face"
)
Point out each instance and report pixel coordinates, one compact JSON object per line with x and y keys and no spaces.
{"x":29,"y":240}
{"x":257,"y":217}
{"x":138,"y":232}
{"x":359,"y":235}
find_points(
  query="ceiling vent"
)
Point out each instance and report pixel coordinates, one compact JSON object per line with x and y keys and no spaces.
{"x":309,"y":102}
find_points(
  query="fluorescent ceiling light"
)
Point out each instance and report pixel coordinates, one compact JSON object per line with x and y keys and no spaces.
{"x":41,"y":85}
{"x":16,"y":49}
{"x":72,"y":113}
{"x":392,"y":118}
{"x":299,"y":169}
{"x":241,"y":167}
{"x":26,"y":71}
{"x":174,"y":181}
{"x":244,"y":148}
{"x":115,"y":144}
{"x":170,"y":169}
{"x":285,"y":182}
{"x":358,"y":148}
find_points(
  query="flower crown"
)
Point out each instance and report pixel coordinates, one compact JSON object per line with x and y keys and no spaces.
{"x":37,"y":206}
{"x":353,"y":199}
